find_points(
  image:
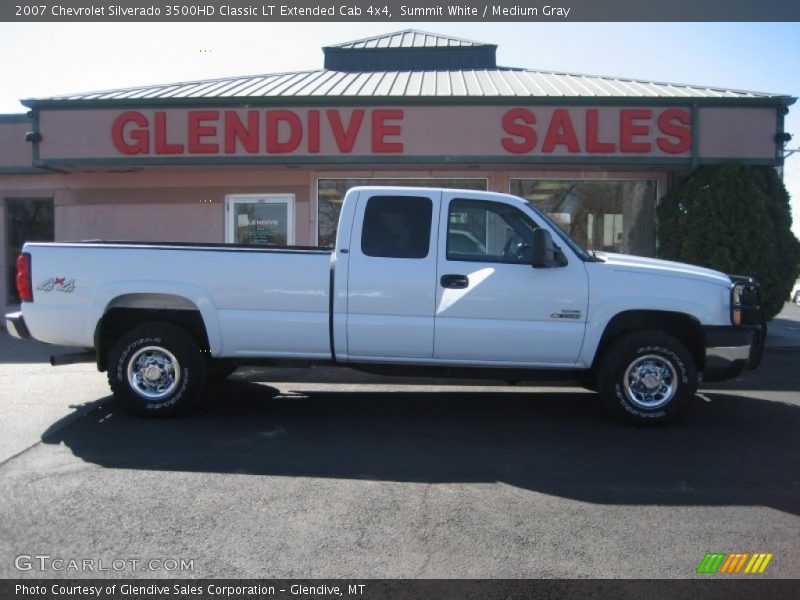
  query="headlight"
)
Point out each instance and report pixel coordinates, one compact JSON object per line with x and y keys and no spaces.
{"x":746,"y":301}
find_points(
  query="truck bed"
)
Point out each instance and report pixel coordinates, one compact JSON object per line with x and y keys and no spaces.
{"x":242,"y":292}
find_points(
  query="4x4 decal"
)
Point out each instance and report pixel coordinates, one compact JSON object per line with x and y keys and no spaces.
{"x":60,"y":284}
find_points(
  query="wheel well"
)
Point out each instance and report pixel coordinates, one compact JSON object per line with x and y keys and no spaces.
{"x":119,"y":320}
{"x":679,"y":325}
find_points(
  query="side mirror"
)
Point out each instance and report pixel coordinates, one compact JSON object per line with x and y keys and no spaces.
{"x":545,"y":254}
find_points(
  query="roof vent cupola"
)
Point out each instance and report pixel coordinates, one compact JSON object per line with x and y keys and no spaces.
{"x":410,"y":50}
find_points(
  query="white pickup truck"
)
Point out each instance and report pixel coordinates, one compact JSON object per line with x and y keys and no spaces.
{"x":421,"y":282}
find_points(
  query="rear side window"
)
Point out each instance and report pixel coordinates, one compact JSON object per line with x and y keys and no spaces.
{"x":397,"y":227}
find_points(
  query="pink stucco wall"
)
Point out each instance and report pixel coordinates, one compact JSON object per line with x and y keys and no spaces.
{"x":737,"y":132}
{"x":14,"y":150}
{"x":159,"y":214}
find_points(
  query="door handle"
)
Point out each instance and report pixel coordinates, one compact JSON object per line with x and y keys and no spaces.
{"x":456,"y":282}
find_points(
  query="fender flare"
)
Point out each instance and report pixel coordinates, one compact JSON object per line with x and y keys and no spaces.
{"x":601,"y":317}
{"x":105,"y":294}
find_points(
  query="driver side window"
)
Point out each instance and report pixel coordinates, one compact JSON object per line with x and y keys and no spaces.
{"x":481,"y":231}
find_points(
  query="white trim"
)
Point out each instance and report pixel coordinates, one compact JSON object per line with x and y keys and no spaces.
{"x":287,"y":199}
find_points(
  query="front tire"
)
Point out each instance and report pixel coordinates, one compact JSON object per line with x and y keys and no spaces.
{"x":647,"y":378}
{"x":156,"y":370}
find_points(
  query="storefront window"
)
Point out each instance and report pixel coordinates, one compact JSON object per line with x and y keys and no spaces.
{"x":615,"y":216}
{"x":27,"y":220}
{"x":331,"y":192}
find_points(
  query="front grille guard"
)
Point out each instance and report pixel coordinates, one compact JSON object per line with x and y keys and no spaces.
{"x":752,"y":315}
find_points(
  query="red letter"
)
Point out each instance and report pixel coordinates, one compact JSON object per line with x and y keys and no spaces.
{"x":313,"y":132}
{"x":235,"y":130}
{"x":561,"y":133}
{"x":162,"y":147}
{"x":380,"y":130}
{"x":667,"y":125}
{"x":274,"y":117}
{"x":345,"y":139}
{"x":197,"y":131}
{"x":516,"y":122}
{"x":627,"y":130}
{"x":592,"y":144}
{"x":140,"y":137}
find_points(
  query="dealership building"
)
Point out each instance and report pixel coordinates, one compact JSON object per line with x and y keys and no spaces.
{"x":267,"y":159}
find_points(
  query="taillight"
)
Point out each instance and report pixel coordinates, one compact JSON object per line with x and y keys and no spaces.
{"x":24,"y":286}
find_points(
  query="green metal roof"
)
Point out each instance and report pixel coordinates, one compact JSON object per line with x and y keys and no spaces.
{"x":484,"y":83}
{"x":411,"y":66}
{"x":409,"y":38}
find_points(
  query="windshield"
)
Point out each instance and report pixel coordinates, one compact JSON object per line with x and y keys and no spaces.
{"x":575,"y":246}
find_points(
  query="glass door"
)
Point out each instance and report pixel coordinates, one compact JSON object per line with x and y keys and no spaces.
{"x":260,"y":219}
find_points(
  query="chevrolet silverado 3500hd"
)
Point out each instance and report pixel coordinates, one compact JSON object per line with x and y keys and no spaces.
{"x":421,"y":281}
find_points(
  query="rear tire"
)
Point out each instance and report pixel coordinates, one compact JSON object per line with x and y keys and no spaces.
{"x":157,"y":370}
{"x":647,"y":378}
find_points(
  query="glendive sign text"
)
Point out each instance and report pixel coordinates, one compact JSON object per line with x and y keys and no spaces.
{"x":536,"y":131}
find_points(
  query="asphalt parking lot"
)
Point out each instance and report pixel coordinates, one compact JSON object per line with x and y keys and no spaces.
{"x":314,"y":474}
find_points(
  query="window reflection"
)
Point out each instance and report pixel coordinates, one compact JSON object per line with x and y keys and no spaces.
{"x":615,"y":216}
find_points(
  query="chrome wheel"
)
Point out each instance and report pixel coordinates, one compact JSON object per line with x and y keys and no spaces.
{"x":650,"y":381}
{"x":153,"y":372}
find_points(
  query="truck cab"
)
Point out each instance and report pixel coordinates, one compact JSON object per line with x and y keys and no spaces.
{"x":450,"y":274}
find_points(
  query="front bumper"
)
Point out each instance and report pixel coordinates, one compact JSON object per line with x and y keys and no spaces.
{"x":732,"y":349}
{"x":15,"y":323}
